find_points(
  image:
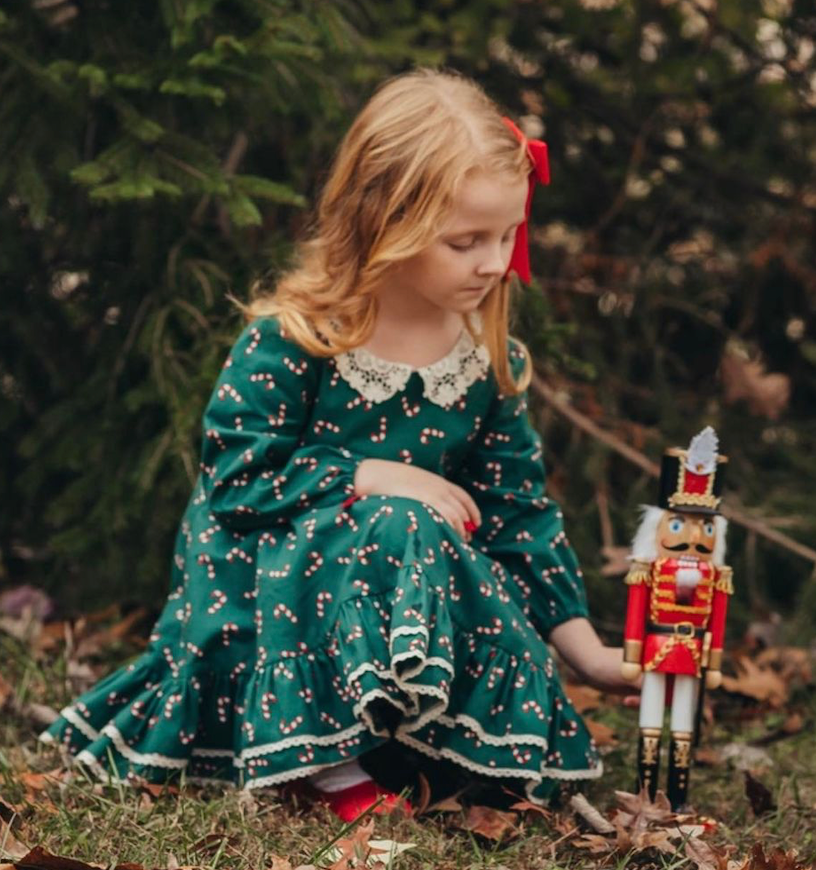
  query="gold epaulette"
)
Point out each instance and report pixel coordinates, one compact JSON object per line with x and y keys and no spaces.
{"x":639,"y":573}
{"x":725,"y":580}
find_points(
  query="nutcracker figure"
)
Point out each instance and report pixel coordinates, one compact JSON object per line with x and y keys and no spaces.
{"x":675,"y":616}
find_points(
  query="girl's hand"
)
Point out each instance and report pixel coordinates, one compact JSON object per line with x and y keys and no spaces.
{"x":384,"y":477}
{"x":600,"y":666}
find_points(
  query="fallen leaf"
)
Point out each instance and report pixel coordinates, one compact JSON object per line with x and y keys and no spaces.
{"x":707,"y":756}
{"x":790,"y":662}
{"x":6,"y":692}
{"x":10,"y":846}
{"x":658,"y":839}
{"x":595,"y":843}
{"x":760,"y":797}
{"x":490,"y":823}
{"x":583,"y":697}
{"x":423,"y":800}
{"x":753,"y":681}
{"x":776,"y":859}
{"x":704,"y":856}
{"x":618,"y":561}
{"x":446,"y":805}
{"x":637,"y":811}
{"x":767,"y":395}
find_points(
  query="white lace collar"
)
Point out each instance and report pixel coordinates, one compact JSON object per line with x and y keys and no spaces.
{"x":446,"y":380}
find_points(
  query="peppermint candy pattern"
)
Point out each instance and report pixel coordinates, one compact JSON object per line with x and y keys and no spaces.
{"x":298,"y":615}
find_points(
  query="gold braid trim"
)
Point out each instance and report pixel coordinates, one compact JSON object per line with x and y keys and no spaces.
{"x":725,"y":582}
{"x":638,"y":574}
{"x":673,"y":641}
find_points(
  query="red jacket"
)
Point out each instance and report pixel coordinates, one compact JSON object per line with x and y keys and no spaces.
{"x":671,"y":620}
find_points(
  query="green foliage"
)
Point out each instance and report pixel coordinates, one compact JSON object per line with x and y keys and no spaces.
{"x":157,"y":156}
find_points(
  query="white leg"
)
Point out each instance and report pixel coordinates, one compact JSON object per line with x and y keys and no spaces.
{"x":684,"y":703}
{"x":652,"y":700}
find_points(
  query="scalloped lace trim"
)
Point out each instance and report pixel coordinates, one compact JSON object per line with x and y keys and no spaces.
{"x":446,"y":380}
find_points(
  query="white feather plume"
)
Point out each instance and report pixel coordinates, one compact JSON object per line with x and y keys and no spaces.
{"x":702,"y":453}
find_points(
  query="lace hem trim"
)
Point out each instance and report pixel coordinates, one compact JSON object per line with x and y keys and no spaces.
{"x":445,"y":381}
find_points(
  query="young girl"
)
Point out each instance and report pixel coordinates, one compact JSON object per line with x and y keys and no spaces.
{"x":369,"y":553}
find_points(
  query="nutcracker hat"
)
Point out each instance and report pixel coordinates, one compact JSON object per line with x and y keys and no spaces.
{"x":691,"y":481}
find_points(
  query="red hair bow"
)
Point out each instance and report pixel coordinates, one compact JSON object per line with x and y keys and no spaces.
{"x":537,"y":152}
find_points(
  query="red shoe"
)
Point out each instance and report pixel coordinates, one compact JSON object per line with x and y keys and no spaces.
{"x":351,"y":802}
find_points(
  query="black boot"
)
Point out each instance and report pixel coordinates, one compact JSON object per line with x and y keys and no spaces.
{"x":679,"y":768}
{"x":648,"y":760}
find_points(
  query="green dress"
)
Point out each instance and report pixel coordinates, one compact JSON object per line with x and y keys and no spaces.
{"x":304,"y":628}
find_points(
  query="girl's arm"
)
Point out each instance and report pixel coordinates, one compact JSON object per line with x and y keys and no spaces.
{"x":522,"y":528}
{"x":255,"y":469}
{"x":581,"y":648}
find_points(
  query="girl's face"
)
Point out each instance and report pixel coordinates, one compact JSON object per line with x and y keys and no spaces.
{"x":470,"y":255}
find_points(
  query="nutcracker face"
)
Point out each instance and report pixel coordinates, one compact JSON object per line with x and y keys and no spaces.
{"x":682,"y":534}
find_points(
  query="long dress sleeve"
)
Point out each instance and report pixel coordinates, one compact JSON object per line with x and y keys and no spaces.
{"x":522,"y":528}
{"x":256,"y":468}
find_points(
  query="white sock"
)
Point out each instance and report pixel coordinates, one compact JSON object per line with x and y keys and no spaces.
{"x":339,"y":777}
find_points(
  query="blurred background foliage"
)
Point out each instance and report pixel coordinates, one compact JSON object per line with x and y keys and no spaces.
{"x":155,"y":157}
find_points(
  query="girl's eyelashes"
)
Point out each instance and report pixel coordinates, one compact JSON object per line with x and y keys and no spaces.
{"x":466,"y":246}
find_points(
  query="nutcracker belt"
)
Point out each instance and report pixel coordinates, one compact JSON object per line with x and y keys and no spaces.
{"x":684,"y":629}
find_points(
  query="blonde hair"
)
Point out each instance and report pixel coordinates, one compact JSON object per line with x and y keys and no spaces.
{"x":392,"y":184}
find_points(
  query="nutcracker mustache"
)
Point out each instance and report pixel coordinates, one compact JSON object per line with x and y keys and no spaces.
{"x":701,"y":548}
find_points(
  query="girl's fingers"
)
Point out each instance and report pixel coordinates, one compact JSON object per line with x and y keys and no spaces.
{"x":465,"y":499}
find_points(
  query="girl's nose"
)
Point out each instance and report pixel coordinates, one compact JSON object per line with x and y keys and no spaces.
{"x":493,"y":262}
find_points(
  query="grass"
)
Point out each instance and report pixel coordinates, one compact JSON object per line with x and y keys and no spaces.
{"x":213,"y":828}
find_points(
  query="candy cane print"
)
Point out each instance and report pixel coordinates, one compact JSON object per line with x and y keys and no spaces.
{"x":320,"y":425}
{"x":227,"y":629}
{"x":255,"y":334}
{"x":521,"y":756}
{"x":280,"y":610}
{"x":362,"y":552}
{"x":263,"y":377}
{"x":494,"y":628}
{"x":321,"y":600}
{"x":535,"y":707}
{"x":428,"y":432}
{"x":381,"y":435}
{"x":228,"y":390}
{"x":279,"y":419}
{"x":317,"y":562}
{"x":220,"y":600}
{"x":267,"y":699}
{"x":307,"y":754}
{"x":289,"y":727}
{"x":221,"y":704}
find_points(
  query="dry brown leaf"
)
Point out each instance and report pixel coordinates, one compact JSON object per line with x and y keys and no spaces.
{"x":583,"y":697}
{"x":10,"y":846}
{"x":742,"y":378}
{"x":6,"y":692}
{"x":707,"y":756}
{"x":704,"y":856}
{"x":354,"y":849}
{"x":595,"y":843}
{"x":490,"y":823}
{"x":637,"y":811}
{"x":658,"y":839}
{"x":776,"y":859}
{"x":790,"y":662}
{"x":423,"y":801}
{"x":617,"y":561}
{"x":280,"y":864}
{"x":602,"y":734}
{"x":97,"y":642}
{"x":753,"y":681}
{"x":446,"y":805}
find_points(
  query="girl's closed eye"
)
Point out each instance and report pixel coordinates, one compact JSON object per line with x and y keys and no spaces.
{"x":467,"y":245}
